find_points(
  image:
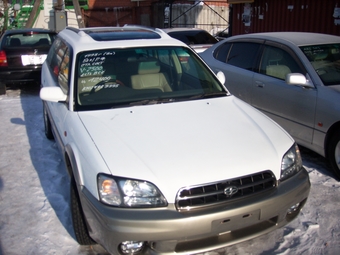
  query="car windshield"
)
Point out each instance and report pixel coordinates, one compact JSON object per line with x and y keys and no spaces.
{"x":138,"y":76}
{"x":29,"y":39}
{"x":326,"y":61}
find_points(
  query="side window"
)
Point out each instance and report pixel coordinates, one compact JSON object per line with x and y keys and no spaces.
{"x":63,"y":76}
{"x":51,"y":54}
{"x":243,"y":55}
{"x":277,"y":62}
{"x":164,"y":57}
{"x":188,"y":65}
{"x":55,"y":57}
{"x":221,"y":53}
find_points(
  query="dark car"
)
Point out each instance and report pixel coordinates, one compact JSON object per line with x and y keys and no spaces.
{"x":22,"y":52}
{"x":196,"y":38}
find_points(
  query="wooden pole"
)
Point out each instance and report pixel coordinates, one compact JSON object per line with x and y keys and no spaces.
{"x":30,"y":20}
{"x":79,"y":15}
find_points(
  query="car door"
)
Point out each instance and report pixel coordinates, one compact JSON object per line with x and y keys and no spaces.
{"x":56,"y":73}
{"x":293,"y":107}
{"x":237,"y":59}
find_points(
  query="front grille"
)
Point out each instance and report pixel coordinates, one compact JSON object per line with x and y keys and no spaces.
{"x":196,"y":197}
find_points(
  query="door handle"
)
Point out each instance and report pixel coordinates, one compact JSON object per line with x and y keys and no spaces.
{"x":259,"y":84}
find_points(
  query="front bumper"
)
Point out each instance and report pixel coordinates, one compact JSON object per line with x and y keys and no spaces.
{"x":167,"y":231}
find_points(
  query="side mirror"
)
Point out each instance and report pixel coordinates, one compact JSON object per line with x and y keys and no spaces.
{"x":52,"y":94}
{"x":298,"y":79}
{"x":221,"y":77}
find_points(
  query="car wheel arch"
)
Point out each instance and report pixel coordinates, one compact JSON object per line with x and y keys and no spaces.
{"x":333,"y":133}
{"x":47,"y":123}
{"x":330,"y":133}
{"x":71,"y":160}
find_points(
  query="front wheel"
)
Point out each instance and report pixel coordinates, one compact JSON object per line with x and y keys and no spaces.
{"x":78,"y":218}
{"x":47,"y":124}
{"x":334,"y":154}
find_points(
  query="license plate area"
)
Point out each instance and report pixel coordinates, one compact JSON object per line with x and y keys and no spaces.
{"x":33,"y":59}
{"x":228,"y":224}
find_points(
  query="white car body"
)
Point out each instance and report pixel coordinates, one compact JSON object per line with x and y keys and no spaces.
{"x":190,"y":120}
{"x":136,"y":166}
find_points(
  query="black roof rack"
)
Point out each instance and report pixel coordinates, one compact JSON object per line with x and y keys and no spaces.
{"x":76,"y":30}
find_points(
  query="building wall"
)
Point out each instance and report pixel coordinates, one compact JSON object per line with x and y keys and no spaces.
{"x":118,"y":13}
{"x":212,"y":16}
{"x":286,"y":15}
{"x":209,"y":16}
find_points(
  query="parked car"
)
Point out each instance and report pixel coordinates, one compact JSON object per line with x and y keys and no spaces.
{"x":292,"y":77}
{"x":196,"y":38}
{"x":221,"y":35}
{"x":22,"y":52}
{"x":162,"y":159}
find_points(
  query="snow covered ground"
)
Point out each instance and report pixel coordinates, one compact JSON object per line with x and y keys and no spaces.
{"x":34,"y":195}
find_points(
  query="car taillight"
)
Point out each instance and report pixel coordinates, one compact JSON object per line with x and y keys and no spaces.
{"x":3,"y":58}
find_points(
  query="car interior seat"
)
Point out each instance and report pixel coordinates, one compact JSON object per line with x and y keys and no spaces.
{"x":43,"y":42}
{"x":275,"y":64}
{"x":320,"y":61}
{"x":150,"y":77}
{"x":122,"y":64}
{"x":15,"y":42}
{"x":278,"y":71}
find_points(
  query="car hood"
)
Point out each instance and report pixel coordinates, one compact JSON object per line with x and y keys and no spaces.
{"x":180,"y":144}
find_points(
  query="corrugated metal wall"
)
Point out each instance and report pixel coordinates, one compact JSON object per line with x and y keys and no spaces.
{"x":209,"y":17}
{"x":322,"y":16}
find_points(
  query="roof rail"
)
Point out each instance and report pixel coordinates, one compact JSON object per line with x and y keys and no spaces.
{"x":139,"y":26}
{"x":76,"y":30}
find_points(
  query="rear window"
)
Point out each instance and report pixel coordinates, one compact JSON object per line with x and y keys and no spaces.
{"x":29,"y":39}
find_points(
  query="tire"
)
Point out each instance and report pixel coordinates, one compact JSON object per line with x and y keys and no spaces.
{"x":78,"y":218}
{"x":47,"y":124}
{"x":2,"y":88}
{"x":334,"y":154}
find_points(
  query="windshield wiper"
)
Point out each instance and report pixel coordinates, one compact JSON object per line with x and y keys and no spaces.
{"x":152,"y":101}
{"x":178,"y":98}
{"x":210,"y":95}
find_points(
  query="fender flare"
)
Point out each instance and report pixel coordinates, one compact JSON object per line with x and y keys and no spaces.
{"x":72,"y":159}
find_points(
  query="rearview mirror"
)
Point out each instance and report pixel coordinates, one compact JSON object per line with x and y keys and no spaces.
{"x":298,"y":79}
{"x":52,"y":94}
{"x":221,"y":77}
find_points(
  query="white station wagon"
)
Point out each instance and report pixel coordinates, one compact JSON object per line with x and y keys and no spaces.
{"x":162,"y":159}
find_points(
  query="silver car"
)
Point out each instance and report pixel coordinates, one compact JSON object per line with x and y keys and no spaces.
{"x":292,"y":77}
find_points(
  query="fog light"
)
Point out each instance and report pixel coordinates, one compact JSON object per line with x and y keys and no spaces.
{"x":130,"y":247}
{"x":293,"y":209}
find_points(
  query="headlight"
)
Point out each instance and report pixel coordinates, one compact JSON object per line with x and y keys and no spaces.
{"x":129,"y":192}
{"x":291,"y":162}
